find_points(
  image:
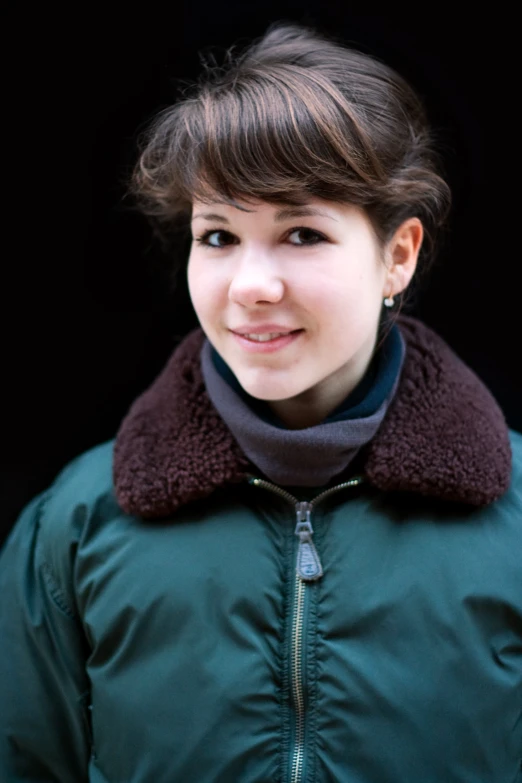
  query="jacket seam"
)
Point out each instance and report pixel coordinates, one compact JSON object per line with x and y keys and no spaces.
{"x":56,"y":593}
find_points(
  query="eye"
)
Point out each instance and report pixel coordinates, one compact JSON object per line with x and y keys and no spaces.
{"x":311,"y":237}
{"x":316,"y":237}
{"x":203,"y":240}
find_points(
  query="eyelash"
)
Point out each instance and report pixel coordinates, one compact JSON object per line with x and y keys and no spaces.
{"x":202,"y":240}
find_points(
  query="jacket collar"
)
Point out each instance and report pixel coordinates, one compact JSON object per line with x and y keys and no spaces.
{"x":443,"y":436}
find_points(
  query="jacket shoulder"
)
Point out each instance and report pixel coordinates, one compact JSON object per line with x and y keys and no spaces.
{"x":84,"y":479}
{"x":515,"y":439}
{"x":82,"y":488}
{"x":507,"y":510}
{"x":51,"y":527}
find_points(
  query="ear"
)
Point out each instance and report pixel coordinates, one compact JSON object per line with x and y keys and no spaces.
{"x":402,"y":253}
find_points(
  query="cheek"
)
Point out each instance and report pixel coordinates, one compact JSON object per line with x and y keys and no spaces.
{"x":345,"y":306}
{"x":336,"y":297}
{"x":202,"y":289}
{"x":191,"y":277}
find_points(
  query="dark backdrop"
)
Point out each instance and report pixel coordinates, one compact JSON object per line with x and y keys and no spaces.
{"x":88,"y":317}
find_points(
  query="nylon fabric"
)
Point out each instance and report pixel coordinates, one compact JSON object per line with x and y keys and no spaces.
{"x":180,"y":631}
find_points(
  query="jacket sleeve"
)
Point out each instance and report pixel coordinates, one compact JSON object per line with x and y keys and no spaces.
{"x":44,"y":706}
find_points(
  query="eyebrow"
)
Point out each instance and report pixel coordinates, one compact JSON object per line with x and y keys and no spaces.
{"x":280,"y":216}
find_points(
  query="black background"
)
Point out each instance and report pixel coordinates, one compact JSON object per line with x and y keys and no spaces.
{"x":88,"y":319}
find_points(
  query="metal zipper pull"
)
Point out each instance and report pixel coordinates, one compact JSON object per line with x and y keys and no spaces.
{"x":309,"y":566}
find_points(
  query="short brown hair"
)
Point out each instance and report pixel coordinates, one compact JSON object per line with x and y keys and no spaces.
{"x":297,"y":114}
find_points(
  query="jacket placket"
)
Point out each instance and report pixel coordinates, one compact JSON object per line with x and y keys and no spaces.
{"x":307,"y":569}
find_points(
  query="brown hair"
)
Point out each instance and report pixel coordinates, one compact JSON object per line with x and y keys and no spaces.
{"x":296,"y":115}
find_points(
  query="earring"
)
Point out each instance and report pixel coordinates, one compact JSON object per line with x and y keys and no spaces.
{"x":388,"y":302}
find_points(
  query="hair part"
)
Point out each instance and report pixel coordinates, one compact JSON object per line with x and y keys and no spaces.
{"x":296,"y":115}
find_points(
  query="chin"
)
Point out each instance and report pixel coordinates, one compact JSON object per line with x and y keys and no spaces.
{"x":272,"y":397}
{"x":270,"y":392}
{"x":267,"y":395}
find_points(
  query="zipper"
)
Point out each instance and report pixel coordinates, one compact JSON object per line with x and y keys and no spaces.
{"x":308,"y":564}
{"x":308,"y":569}
{"x":297,"y":680}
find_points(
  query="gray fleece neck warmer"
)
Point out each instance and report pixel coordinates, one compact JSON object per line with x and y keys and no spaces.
{"x":309,"y":457}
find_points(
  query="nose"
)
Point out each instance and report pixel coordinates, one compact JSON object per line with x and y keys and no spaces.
{"x":256,"y":280}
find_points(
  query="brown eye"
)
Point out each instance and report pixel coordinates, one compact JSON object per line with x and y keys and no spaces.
{"x":310,"y":237}
{"x":204,"y":238}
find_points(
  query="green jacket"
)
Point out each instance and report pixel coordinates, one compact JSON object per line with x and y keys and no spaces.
{"x":242,"y":634}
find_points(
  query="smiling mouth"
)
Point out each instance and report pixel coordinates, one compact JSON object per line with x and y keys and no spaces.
{"x":264,"y":338}
{"x":266,"y":342}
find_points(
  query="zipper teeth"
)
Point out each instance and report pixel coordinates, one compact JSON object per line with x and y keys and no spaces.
{"x":297,"y":667}
{"x":351,"y":483}
{"x":257,"y":482}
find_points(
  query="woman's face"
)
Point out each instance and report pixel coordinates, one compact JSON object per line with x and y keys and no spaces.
{"x":290,"y":301}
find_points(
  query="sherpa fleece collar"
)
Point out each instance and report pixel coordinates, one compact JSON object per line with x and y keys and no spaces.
{"x":443,"y":436}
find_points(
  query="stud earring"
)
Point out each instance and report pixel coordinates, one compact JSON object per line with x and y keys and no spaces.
{"x":388,"y":302}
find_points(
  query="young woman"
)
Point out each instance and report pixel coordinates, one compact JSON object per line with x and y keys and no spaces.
{"x":299,"y":559}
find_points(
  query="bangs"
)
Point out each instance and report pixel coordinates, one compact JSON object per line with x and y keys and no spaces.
{"x":268,"y":138}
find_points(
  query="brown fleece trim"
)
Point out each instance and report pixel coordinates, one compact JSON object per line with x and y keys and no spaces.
{"x":443,"y":436}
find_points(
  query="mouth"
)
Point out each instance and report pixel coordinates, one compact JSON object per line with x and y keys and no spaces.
{"x":265,"y":338}
{"x":266,"y":342}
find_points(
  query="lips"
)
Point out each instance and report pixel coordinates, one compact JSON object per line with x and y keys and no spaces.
{"x":264,"y":329}
{"x":263,"y":340}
